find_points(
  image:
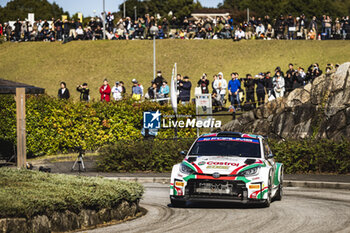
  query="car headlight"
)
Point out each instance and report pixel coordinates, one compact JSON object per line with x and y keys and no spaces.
{"x":250,"y":172}
{"x":185,"y":169}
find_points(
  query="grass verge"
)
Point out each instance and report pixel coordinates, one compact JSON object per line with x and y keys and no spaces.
{"x":26,"y":193}
{"x":46,"y":64}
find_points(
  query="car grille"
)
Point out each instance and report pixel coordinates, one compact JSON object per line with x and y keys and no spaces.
{"x":215,"y":189}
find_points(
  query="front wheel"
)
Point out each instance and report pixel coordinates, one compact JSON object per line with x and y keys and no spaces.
{"x":178,"y":203}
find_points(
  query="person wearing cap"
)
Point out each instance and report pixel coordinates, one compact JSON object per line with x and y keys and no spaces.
{"x":105,"y":91}
{"x":117,"y":91}
{"x":220,"y":85}
{"x":84,"y":92}
{"x":203,"y":83}
{"x":185,"y":91}
{"x":136,"y":90}
{"x":159,"y":80}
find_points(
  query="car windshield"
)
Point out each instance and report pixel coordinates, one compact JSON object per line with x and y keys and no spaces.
{"x":226,"y":146}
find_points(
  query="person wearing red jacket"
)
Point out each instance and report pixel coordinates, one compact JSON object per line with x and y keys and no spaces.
{"x":105,"y":91}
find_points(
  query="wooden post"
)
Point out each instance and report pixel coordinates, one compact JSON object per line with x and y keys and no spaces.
{"x":21,"y":127}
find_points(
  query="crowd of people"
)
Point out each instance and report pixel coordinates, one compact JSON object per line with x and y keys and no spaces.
{"x":283,"y":27}
{"x":243,"y":93}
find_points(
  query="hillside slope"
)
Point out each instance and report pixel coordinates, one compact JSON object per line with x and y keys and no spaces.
{"x":46,"y":64}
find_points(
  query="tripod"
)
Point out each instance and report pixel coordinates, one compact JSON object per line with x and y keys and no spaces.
{"x":80,"y":162}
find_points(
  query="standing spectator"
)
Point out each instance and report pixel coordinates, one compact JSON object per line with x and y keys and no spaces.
{"x":234,"y":85}
{"x":58,"y":27}
{"x":260,"y":88}
{"x":84,"y":92}
{"x":117,"y":91}
{"x":313,"y":26}
{"x":110,"y":19}
{"x":269,"y":85}
{"x":66,"y":29}
{"x":105,"y":91}
{"x":18,"y":27}
{"x":278,"y":84}
{"x":72,"y":31}
{"x":63,"y":92}
{"x":328,"y":27}
{"x":159,"y":79}
{"x":249,"y":85}
{"x":136,"y":90}
{"x":299,"y":78}
{"x":203,"y":83}
{"x":289,"y":79}
{"x":220,"y":85}
{"x":121,"y":83}
{"x":1,"y":30}
{"x":185,"y":91}
{"x":152,"y":91}
{"x":291,"y":27}
{"x":303,"y":26}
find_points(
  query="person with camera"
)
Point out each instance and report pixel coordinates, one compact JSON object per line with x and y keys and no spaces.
{"x":105,"y":91}
{"x":299,"y":78}
{"x":203,"y":83}
{"x":63,"y":92}
{"x":234,"y":85}
{"x":269,"y":86}
{"x":185,"y":90}
{"x":84,"y":92}
{"x":278,"y":84}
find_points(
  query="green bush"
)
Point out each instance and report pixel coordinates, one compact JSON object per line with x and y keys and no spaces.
{"x":55,"y":125}
{"x":26,"y":193}
{"x":298,"y":156}
{"x":143,"y":155}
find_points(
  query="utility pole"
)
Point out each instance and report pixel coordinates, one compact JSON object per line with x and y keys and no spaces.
{"x":247,"y":15}
{"x":124,"y":10}
{"x":135,"y":8}
{"x":104,"y":20}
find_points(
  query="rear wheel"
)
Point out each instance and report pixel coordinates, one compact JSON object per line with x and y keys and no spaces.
{"x":178,"y":203}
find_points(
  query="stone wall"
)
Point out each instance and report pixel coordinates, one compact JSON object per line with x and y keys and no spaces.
{"x":319,"y":110}
{"x":68,"y":221}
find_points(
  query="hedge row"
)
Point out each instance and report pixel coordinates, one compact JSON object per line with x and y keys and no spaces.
{"x":55,"y":125}
{"x":304,"y":156}
{"x":26,"y":193}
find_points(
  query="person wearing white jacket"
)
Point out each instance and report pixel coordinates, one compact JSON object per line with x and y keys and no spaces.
{"x":117,"y":92}
{"x":278,"y":84}
{"x":220,"y":86}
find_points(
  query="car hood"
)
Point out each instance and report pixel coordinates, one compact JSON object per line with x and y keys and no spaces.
{"x":224,"y":165}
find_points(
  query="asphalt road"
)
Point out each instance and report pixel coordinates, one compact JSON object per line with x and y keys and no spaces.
{"x":301,"y":210}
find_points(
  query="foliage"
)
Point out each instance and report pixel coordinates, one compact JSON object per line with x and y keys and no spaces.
{"x":298,"y":156}
{"x":142,"y":155}
{"x":313,"y":156}
{"x":20,"y":8}
{"x":179,"y":8}
{"x":55,"y":125}
{"x":274,"y":8}
{"x":26,"y":193}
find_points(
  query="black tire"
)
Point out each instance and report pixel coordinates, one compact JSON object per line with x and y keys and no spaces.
{"x":178,"y":203}
{"x":279,"y":193}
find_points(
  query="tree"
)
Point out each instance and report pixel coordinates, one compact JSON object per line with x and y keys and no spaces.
{"x":334,"y":8}
{"x":179,"y":8}
{"x":19,"y":9}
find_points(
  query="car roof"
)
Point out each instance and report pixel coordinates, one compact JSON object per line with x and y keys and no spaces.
{"x":232,"y":134}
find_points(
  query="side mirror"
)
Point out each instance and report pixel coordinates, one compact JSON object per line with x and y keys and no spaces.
{"x":183,"y":153}
{"x":270,"y":156}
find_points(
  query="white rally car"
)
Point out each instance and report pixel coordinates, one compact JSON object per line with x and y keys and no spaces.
{"x":227,"y":166}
